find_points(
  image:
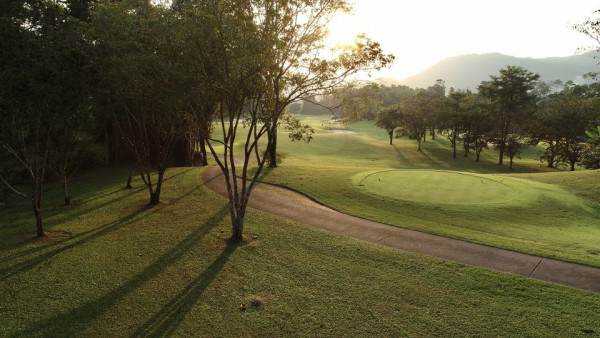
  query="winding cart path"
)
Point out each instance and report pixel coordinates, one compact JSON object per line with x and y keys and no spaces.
{"x":299,"y":208}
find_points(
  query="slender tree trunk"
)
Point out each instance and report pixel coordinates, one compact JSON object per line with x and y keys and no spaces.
{"x":129,"y":177}
{"x":273,"y":150}
{"x":419,"y":144}
{"x":237,"y":230}
{"x":454,"y":143}
{"x":204,"y":160}
{"x":391,"y":134}
{"x":552,"y":155}
{"x":66,"y":191}
{"x":36,"y":202}
{"x":155,"y":196}
{"x":511,"y":162}
{"x":572,"y":165}
{"x":478,"y":150}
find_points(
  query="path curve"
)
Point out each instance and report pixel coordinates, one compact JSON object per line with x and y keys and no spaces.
{"x":299,"y":208}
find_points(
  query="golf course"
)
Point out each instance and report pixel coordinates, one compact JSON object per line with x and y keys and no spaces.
{"x":112,"y":266}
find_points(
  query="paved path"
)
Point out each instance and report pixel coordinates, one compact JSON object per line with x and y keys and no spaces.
{"x":299,"y":208}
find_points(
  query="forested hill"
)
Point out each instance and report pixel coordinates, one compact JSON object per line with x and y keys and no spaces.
{"x":467,"y":71}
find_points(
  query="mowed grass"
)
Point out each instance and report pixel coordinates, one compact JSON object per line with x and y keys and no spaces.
{"x":111,"y":267}
{"x":548,"y":213}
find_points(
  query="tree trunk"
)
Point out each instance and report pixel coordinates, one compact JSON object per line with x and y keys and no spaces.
{"x":391,"y":134}
{"x":66,"y":191}
{"x":572,"y":165}
{"x":501,"y":154}
{"x":36,"y":202}
{"x":129,"y":177}
{"x":511,"y":163}
{"x":454,"y":143}
{"x":273,"y":149}
{"x":419,"y":144}
{"x":204,"y":159}
{"x":155,"y":196}
{"x":237,"y":230}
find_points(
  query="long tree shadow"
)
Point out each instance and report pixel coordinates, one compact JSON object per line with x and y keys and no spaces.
{"x":68,"y":244}
{"x":76,"y":239}
{"x":166,"y":321}
{"x":70,"y":322}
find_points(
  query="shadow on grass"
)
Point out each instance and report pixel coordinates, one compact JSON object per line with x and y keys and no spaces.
{"x":79,"y":238}
{"x":68,"y":244}
{"x":166,"y":321}
{"x":401,"y":157}
{"x":69,"y":323}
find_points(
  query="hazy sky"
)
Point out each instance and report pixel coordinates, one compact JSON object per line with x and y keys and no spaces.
{"x":423,"y":32}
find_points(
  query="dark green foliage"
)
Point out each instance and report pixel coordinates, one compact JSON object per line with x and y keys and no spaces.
{"x":511,"y":102}
{"x":590,"y":157}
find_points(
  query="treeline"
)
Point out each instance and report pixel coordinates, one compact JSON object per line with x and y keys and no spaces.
{"x":139,"y":82}
{"x":512,"y":109}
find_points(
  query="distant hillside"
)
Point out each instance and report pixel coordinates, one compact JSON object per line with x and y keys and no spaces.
{"x":467,"y":71}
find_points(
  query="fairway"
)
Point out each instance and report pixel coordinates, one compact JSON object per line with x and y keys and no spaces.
{"x":528,"y":208}
{"x":442,"y":187}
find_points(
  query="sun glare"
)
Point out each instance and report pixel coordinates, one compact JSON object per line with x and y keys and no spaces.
{"x":421,"y":33}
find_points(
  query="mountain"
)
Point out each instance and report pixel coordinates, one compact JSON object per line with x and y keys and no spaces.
{"x":467,"y":71}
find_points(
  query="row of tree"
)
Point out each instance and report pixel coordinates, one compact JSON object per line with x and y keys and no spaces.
{"x":152,"y":80}
{"x":511,"y":109}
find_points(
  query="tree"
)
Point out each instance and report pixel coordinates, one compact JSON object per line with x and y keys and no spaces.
{"x":591,"y":28}
{"x":561,"y":123}
{"x":266,"y":55}
{"x":453,"y":116}
{"x":40,"y":90}
{"x":299,"y":67}
{"x":415,"y":113}
{"x":389,"y":119}
{"x":360,"y":103}
{"x":438,"y":93}
{"x":511,"y":102}
{"x":136,"y":43}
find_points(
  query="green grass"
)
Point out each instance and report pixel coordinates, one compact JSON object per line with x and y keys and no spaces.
{"x":112,"y":267}
{"x":545,"y":212}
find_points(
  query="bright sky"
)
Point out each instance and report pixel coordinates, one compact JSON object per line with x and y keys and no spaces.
{"x":422,"y":32}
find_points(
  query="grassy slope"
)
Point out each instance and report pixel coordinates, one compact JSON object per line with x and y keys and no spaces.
{"x":563,"y":224}
{"x":111,"y":267}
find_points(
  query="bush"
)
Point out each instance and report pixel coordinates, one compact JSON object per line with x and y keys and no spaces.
{"x":590,"y":157}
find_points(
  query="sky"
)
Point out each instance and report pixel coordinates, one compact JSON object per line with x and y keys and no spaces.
{"x":422,"y":32}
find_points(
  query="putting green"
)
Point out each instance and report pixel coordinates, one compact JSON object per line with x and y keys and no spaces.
{"x":443,"y":187}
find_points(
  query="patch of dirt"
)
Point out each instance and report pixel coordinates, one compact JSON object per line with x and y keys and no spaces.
{"x":53,"y":236}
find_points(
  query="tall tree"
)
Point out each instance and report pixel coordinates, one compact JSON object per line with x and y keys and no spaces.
{"x":453,"y":115}
{"x":295,"y":32}
{"x":438,"y":94}
{"x":511,"y":101}
{"x":415,"y":115}
{"x":389,"y":119}
{"x":40,"y":89}
{"x":136,"y":41}
{"x":266,"y":55}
